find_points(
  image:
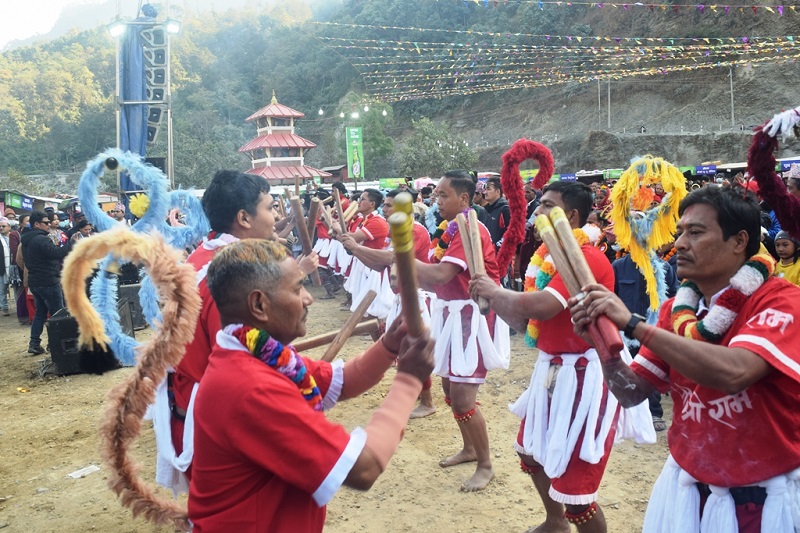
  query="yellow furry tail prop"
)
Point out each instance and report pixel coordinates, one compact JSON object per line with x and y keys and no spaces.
{"x":128,"y":401}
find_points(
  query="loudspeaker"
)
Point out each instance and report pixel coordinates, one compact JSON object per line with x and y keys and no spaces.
{"x":154,"y":94}
{"x":153,"y":37}
{"x":156,"y":77}
{"x":131,"y":293}
{"x":154,"y":115}
{"x":152,"y":134}
{"x":161,"y":164}
{"x":155,"y":57}
{"x":65,"y":352}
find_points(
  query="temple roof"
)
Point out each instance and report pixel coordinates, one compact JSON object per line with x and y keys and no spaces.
{"x":274,"y":109}
{"x":277,"y":140}
{"x":277,"y":173}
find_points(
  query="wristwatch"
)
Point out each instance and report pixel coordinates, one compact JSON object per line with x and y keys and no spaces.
{"x":631,"y":325}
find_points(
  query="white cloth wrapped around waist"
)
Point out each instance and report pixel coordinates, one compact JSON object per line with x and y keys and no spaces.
{"x":365,"y":279}
{"x":353,"y":282}
{"x":450,"y":349}
{"x":339,"y":257}
{"x":551,"y":432}
{"x":323,"y":248}
{"x":170,"y":467}
{"x":675,"y":504}
{"x":425,"y":304}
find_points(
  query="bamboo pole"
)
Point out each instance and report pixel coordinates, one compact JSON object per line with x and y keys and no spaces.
{"x":309,"y":343}
{"x":313,"y":216}
{"x":403,"y":244}
{"x":302,"y":229}
{"x":337,"y":202}
{"x":477,"y":254}
{"x":349,"y":326}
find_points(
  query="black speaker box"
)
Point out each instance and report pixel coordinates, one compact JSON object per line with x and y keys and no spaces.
{"x":65,"y":352}
{"x":130,"y":292}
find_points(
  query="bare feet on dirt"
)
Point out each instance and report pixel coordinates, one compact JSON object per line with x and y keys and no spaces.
{"x":479,"y":480}
{"x":461,"y":457}
{"x":551,"y":526}
{"x":422,"y":411}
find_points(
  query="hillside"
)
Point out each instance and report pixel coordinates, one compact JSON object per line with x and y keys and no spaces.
{"x":57,"y":98}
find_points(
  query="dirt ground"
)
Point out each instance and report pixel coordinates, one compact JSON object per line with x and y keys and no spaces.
{"x":49,"y":430}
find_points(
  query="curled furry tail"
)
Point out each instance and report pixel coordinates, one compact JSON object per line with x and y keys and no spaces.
{"x":511,"y":182}
{"x":128,"y":401}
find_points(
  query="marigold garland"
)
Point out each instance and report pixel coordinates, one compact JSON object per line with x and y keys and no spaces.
{"x":283,"y":358}
{"x":538,"y":276}
{"x":722,"y":315}
{"x":442,"y":238}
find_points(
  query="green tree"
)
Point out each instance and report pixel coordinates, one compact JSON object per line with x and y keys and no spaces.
{"x":432,"y":149}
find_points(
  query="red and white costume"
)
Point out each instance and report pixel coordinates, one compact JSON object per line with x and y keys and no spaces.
{"x":422,"y":244}
{"x":569,"y":418}
{"x":749,"y":438}
{"x":276,"y":475}
{"x":337,"y":257}
{"x":468,"y":344}
{"x":361,"y":278}
{"x":174,"y":438}
{"x":322,"y":246}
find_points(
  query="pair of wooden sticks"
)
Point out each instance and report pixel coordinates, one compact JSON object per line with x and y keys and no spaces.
{"x":569,"y":261}
{"x":401,"y":223}
{"x":473,"y":249}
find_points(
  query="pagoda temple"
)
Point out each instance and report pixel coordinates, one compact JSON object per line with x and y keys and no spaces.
{"x":276,"y":153}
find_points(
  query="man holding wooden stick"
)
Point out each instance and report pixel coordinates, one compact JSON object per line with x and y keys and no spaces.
{"x":238,"y":206}
{"x":381,"y":261}
{"x":267,"y":458}
{"x":726,"y":348}
{"x":371,"y":232}
{"x":468,"y":344}
{"x":563,"y":449}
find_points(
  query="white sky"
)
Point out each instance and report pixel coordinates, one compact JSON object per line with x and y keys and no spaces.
{"x":25,"y":18}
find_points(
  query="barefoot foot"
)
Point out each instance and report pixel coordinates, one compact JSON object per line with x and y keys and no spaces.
{"x":461,"y":457}
{"x":479,"y":480}
{"x":422,"y":410}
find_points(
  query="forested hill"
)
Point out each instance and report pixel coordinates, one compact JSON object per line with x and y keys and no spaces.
{"x":446,"y":83}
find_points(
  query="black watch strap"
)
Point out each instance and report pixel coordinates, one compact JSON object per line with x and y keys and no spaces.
{"x":631,"y":325}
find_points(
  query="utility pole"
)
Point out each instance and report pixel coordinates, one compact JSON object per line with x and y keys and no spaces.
{"x":730,"y":75}
{"x":609,"y":104}
{"x":599,"y":110}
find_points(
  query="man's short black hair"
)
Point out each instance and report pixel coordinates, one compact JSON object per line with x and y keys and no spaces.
{"x":374,"y":196}
{"x":463,"y":181}
{"x":494,"y":181}
{"x":737,"y":210}
{"x":393,"y":193}
{"x":339,"y":185}
{"x":228,"y":193}
{"x":38,"y":216}
{"x":575,"y":195}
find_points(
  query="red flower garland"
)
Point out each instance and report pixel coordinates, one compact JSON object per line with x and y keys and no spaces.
{"x":511,"y":181}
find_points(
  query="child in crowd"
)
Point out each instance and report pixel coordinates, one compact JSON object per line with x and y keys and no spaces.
{"x":788,"y":251}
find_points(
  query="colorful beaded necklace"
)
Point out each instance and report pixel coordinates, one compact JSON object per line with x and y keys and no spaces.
{"x":442,"y":238}
{"x":722,"y":315}
{"x":539,"y":274}
{"x":284,"y":359}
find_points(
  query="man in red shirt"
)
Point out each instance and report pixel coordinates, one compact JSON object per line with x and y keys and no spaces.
{"x":563,"y":448}
{"x":381,"y":261}
{"x":370,"y":231}
{"x":238,"y":206}
{"x":726,"y":348}
{"x":468,"y":344}
{"x":267,"y":459}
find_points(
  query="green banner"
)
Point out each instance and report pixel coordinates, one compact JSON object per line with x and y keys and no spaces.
{"x":355,"y":154}
{"x":390,"y":183}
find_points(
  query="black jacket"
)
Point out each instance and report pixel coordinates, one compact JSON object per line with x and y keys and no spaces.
{"x":42,"y":258}
{"x":498,"y":219}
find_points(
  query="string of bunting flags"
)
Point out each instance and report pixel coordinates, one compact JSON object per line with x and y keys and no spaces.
{"x":404,"y":69}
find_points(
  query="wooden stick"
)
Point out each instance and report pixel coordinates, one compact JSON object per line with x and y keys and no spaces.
{"x":328,"y":200}
{"x":309,"y":343}
{"x":302,"y":229}
{"x":297,"y":184}
{"x":560,"y":260}
{"x":325,"y":213}
{"x":313,"y":216}
{"x":337,"y":203}
{"x":477,"y":254}
{"x":351,"y":211}
{"x":349,"y":326}
{"x":403,"y":243}
{"x":281,"y":207}
{"x":607,"y":329}
{"x":466,"y":242}
{"x":403,"y":203}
